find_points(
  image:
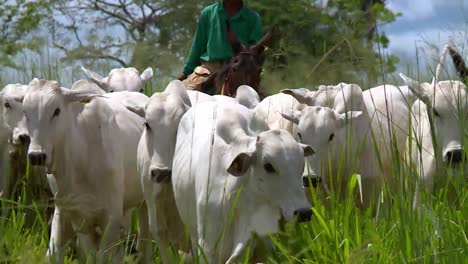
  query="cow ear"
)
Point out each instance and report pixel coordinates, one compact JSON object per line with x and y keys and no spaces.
{"x":147,"y":74}
{"x":177,"y":87}
{"x":302,"y":95}
{"x":308,"y":150}
{"x":136,"y":109}
{"x":96,"y":78}
{"x":77,"y":96}
{"x":345,"y":118}
{"x":240,"y":165}
{"x":422,"y":91}
{"x":293,"y":116}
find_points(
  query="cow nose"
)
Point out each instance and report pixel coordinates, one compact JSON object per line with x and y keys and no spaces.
{"x":312,"y":179}
{"x":303,"y":215}
{"x":161,"y":175}
{"x":37,"y":159}
{"x":24,"y":139}
{"x":454,"y":156}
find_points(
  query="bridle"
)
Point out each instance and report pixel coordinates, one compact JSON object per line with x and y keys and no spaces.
{"x":225,"y":88}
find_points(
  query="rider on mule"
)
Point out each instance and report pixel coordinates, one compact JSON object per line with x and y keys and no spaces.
{"x":221,"y":28}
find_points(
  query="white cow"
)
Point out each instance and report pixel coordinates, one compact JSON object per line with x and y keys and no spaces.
{"x":121,"y":79}
{"x":13,"y":118}
{"x":13,"y":126}
{"x":343,"y":143}
{"x":91,"y":146}
{"x":445,"y":102}
{"x":155,"y":155}
{"x":231,"y":180}
{"x":389,"y":108}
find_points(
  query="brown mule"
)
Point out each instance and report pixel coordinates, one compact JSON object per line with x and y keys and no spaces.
{"x":243,"y":69}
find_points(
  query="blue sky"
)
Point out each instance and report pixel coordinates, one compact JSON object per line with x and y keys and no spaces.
{"x":426,"y":25}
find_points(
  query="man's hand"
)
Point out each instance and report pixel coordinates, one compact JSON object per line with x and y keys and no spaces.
{"x":182,"y":77}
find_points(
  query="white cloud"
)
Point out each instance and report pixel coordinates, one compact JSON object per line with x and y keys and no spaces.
{"x":414,"y":9}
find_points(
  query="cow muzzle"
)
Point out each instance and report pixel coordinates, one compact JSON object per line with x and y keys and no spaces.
{"x":161,"y":175}
{"x":454,"y":156}
{"x":37,"y":158}
{"x":312,"y":179}
{"x":303,"y":214}
{"x":24,"y":139}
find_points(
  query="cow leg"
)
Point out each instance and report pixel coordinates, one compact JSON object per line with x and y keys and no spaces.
{"x":144,"y":243}
{"x":110,"y":246}
{"x":61,"y":232}
{"x":87,"y":246}
{"x":155,"y":227}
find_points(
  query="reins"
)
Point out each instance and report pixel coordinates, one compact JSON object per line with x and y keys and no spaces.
{"x":225,"y":88}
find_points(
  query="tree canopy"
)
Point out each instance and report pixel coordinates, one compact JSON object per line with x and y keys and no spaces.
{"x":315,"y":40}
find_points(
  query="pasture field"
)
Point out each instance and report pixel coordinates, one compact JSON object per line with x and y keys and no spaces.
{"x":338,"y":233}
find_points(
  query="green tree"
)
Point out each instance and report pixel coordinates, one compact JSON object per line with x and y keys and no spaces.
{"x":137,"y":33}
{"x":18,"y":20}
{"x":327,"y":43}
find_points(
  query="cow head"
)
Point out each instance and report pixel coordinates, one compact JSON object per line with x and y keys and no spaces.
{"x":121,"y":79}
{"x":46,"y":110}
{"x":162,"y":114}
{"x":323,"y":129}
{"x":11,"y":98}
{"x":272,"y":165}
{"x":446,"y":103}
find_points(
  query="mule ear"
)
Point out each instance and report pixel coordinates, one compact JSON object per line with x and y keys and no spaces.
{"x":77,"y":96}
{"x":421,"y":91}
{"x":177,"y":87}
{"x":146,"y":75}
{"x":96,"y":78}
{"x":240,"y":165}
{"x":302,"y":95}
{"x":262,"y":43}
{"x":293,"y":116}
{"x":308,"y":150}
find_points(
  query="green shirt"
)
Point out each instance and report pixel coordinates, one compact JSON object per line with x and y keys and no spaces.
{"x":211,"y":42}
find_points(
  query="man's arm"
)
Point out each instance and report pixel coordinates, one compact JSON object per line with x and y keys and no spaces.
{"x":198,"y":45}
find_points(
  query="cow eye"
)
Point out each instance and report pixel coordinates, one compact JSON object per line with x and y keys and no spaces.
{"x":299,"y":135}
{"x":111,"y":91}
{"x":147,"y":126}
{"x":330,"y":138}
{"x":7,"y":105}
{"x":142,"y":90}
{"x":435,"y":112}
{"x":56,"y":112}
{"x":269,"y":168}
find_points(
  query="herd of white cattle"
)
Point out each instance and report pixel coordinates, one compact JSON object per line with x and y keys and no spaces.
{"x":220,"y":168}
